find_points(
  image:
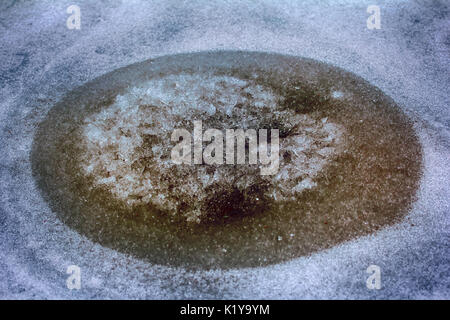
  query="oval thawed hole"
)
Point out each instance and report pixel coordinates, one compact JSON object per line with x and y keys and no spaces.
{"x":349,"y":160}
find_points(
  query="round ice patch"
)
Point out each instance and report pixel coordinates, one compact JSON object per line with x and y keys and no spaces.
{"x":349,"y":160}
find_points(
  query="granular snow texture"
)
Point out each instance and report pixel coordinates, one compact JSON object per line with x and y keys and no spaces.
{"x":42,"y":60}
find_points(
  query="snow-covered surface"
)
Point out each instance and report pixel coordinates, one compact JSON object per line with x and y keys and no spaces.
{"x":41,"y":60}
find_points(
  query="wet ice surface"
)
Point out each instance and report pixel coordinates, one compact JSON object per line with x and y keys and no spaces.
{"x":127,"y":146}
{"x":42,"y":60}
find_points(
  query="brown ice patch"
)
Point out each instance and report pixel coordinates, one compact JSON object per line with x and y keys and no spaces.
{"x":127,"y":146}
{"x":350,"y":162}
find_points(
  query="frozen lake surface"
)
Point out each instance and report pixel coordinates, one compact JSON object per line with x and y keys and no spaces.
{"x":42,"y":60}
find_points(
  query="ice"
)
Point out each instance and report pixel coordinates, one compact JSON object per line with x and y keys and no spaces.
{"x":125,"y":160}
{"x":41,"y":60}
{"x":337,"y":94}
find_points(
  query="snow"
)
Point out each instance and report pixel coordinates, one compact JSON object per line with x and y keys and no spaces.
{"x":41,"y":60}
